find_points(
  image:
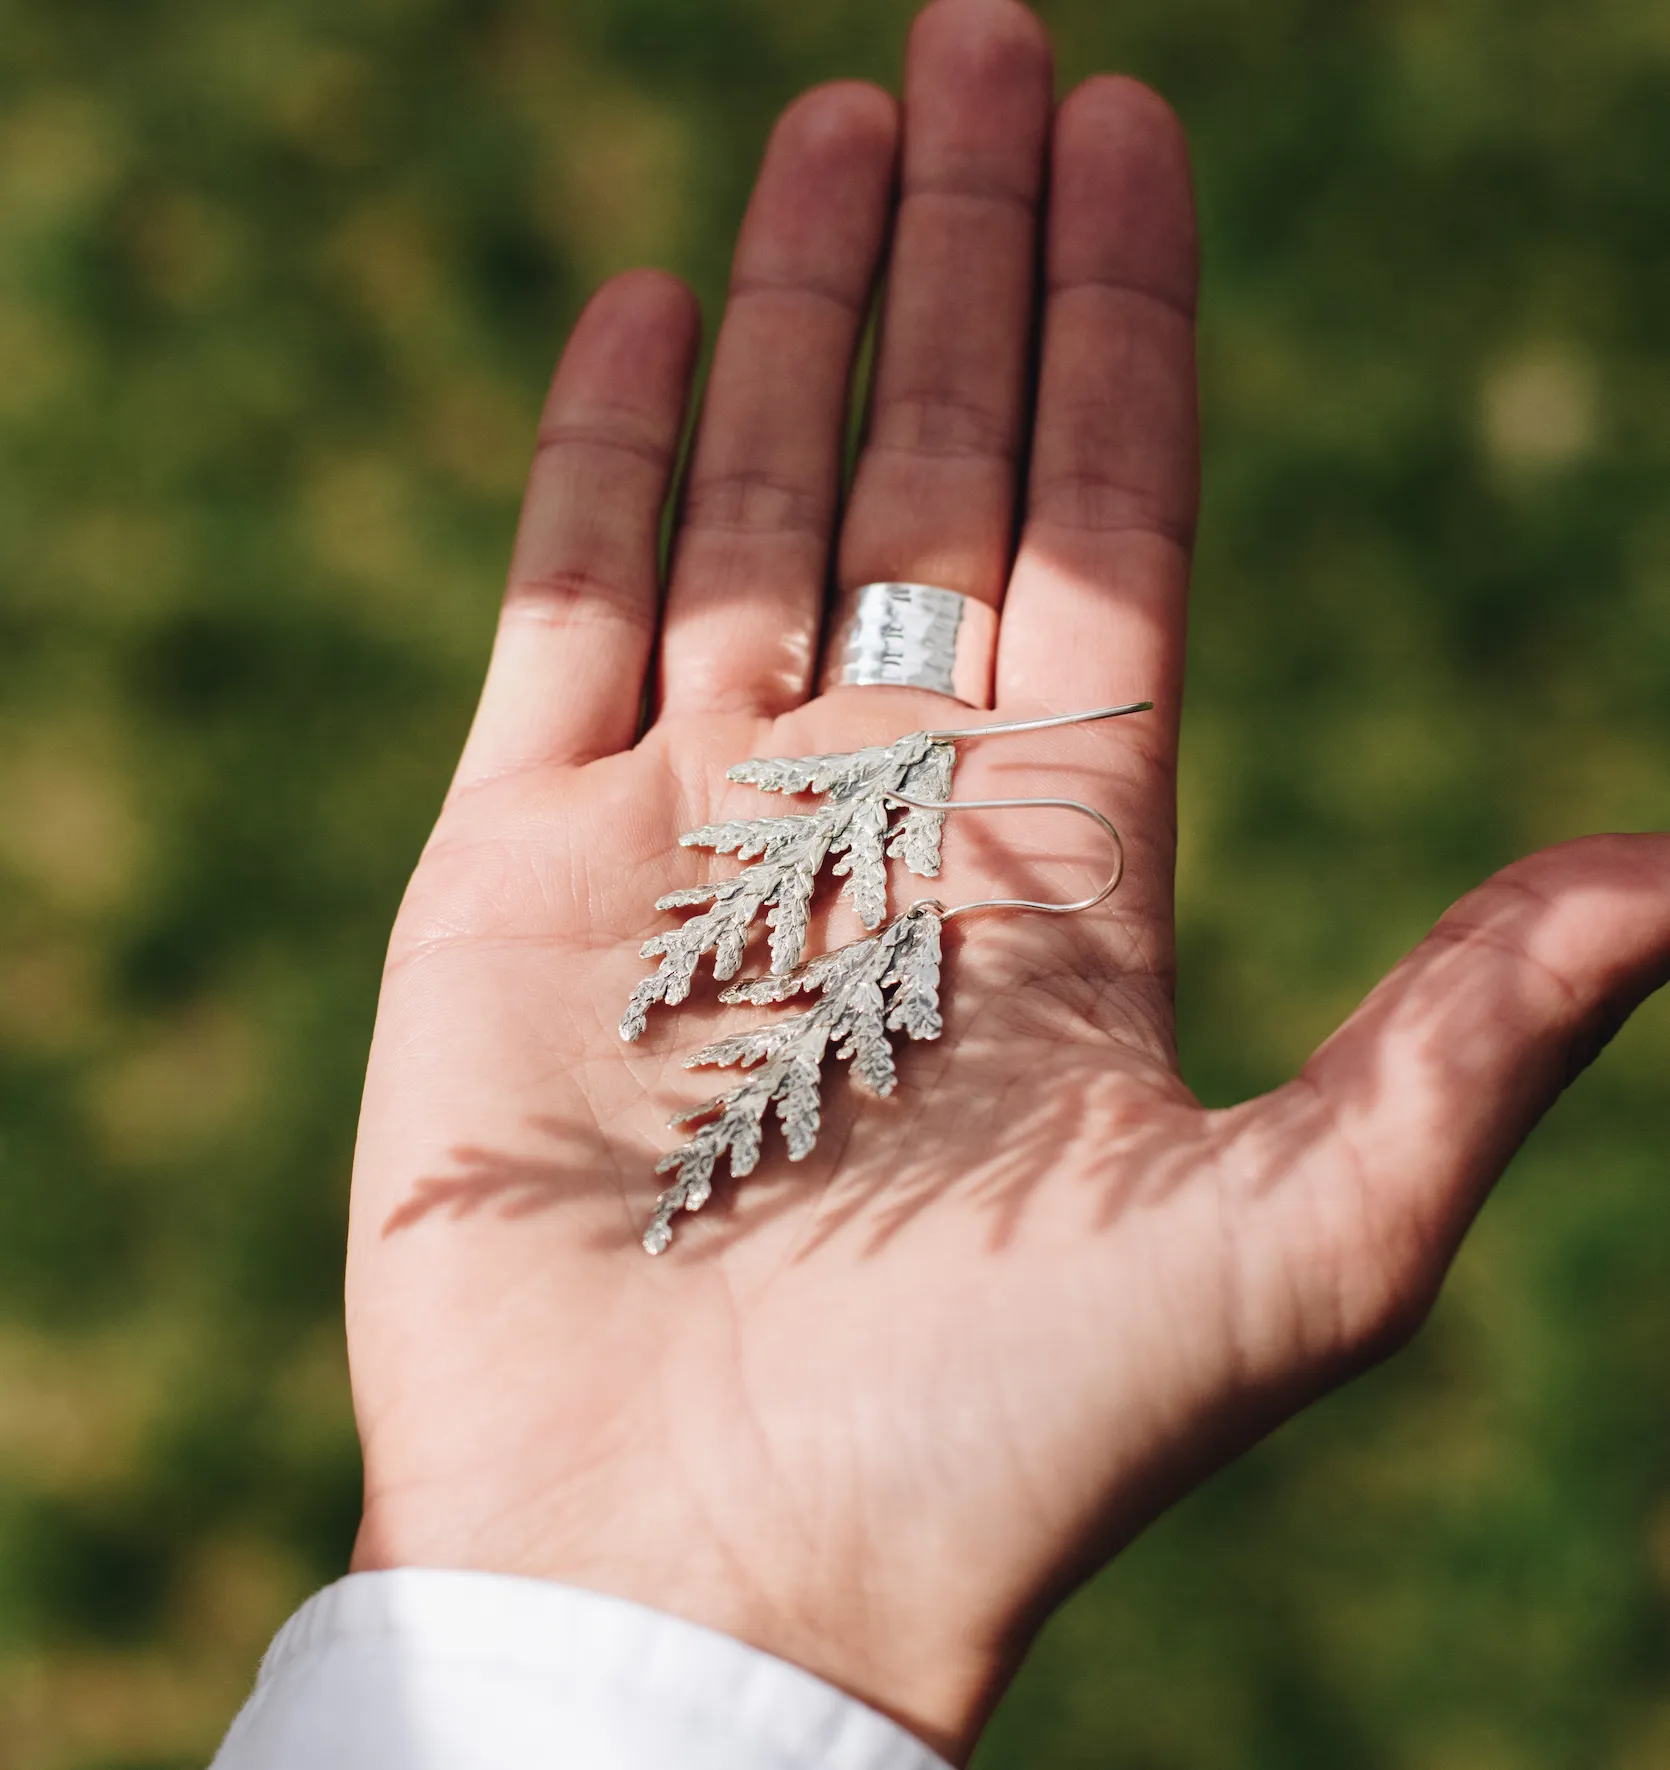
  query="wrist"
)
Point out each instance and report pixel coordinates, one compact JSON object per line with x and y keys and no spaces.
{"x":917,"y":1664}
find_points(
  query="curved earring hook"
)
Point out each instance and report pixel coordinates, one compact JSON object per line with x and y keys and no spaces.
{"x":979,"y":731}
{"x":1025,"y":903}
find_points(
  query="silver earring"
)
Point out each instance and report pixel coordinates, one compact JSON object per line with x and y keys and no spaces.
{"x":884,"y":984}
{"x":859,"y":790}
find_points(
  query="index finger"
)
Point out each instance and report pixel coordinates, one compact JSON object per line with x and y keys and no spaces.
{"x":1097,"y":605}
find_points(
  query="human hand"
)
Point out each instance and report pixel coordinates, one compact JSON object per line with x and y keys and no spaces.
{"x":877,"y":1412}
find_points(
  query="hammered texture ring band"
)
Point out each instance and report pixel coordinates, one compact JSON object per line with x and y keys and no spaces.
{"x":920,"y":636}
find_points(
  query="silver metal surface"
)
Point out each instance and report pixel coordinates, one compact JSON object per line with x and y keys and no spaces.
{"x":851,"y":827}
{"x":886,"y":984}
{"x":1027,"y":903}
{"x":908,"y":636}
{"x":1010,"y":725}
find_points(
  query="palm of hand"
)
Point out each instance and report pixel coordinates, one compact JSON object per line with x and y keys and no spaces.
{"x":1011,"y":1288}
{"x":875,"y":1411}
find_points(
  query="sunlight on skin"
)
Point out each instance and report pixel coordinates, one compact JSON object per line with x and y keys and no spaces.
{"x":878,"y":1413}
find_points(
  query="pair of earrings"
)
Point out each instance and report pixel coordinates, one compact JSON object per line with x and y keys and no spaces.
{"x":883,"y":984}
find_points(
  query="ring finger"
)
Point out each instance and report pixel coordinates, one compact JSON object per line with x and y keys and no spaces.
{"x":933,"y":499}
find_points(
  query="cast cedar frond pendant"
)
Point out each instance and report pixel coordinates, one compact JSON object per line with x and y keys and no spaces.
{"x":788,"y":853}
{"x":885,"y":984}
{"x":888,"y":983}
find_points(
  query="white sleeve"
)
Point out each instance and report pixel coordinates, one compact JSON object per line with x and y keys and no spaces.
{"x":423,"y":1669}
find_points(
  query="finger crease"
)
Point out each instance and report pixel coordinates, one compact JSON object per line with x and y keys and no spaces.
{"x":752,"y":503}
{"x":1083,"y":504}
{"x":1464,"y":935}
{"x":752,"y":288}
{"x":559,"y":439}
{"x":943,"y":424}
{"x":1183,"y":309}
{"x":971,"y":190}
{"x":574,"y":598}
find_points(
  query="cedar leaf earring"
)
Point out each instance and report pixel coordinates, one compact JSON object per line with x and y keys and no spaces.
{"x":887,"y":983}
{"x":789,"y":851}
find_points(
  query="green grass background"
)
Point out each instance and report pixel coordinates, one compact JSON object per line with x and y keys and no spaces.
{"x":280,"y":284}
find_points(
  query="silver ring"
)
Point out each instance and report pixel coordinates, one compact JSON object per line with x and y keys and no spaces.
{"x":920,"y":636}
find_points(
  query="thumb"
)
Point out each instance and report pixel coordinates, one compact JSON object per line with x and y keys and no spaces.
{"x":1415,"y":1105}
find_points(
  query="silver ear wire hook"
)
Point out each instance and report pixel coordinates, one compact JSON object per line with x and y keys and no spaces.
{"x":980,"y":731}
{"x":1026,"y":903}
{"x":863,"y":993}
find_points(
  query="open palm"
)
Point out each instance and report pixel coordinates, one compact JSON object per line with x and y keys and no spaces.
{"x":875,"y":1412}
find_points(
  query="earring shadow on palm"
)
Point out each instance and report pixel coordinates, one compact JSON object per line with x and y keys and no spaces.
{"x":877,"y":1411}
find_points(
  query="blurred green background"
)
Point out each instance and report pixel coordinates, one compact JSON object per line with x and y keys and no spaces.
{"x":280,"y":284}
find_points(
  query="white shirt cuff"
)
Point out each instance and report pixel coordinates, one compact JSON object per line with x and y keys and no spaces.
{"x":428,"y":1669}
